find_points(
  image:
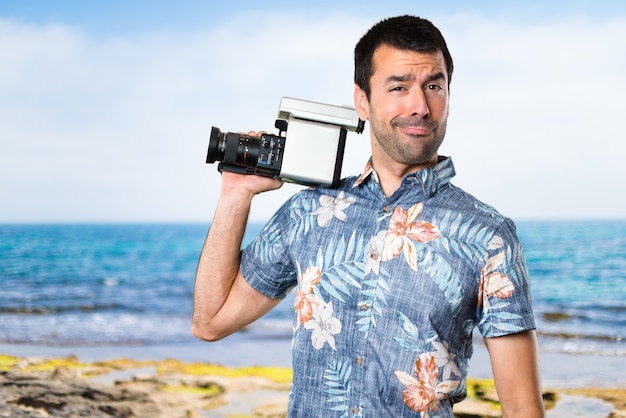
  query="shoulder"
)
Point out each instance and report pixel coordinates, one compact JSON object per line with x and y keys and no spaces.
{"x":466,"y":202}
{"x":462,"y":217}
{"x":345,"y":189}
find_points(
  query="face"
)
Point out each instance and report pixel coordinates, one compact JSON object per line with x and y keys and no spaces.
{"x":407,"y":108}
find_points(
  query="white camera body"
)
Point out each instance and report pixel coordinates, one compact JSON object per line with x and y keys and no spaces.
{"x":315,"y":140}
{"x":308,"y":149}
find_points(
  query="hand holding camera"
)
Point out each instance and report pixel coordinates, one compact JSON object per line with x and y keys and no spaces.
{"x":308,"y":149}
{"x":234,"y":182}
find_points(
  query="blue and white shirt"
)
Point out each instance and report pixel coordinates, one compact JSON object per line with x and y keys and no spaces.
{"x":388,"y":291}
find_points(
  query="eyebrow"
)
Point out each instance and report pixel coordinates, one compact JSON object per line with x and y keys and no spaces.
{"x":408,"y":77}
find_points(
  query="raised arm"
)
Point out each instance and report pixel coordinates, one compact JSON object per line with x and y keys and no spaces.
{"x":515,"y":365}
{"x":223,"y":301}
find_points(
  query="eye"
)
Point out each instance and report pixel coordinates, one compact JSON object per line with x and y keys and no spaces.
{"x":397,"y":88}
{"x":434,"y":87}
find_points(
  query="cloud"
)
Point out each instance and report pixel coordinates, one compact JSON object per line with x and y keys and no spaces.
{"x":116,"y":128}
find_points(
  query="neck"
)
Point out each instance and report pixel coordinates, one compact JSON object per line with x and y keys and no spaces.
{"x":391,"y":173}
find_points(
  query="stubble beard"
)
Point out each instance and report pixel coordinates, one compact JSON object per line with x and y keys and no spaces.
{"x":409,"y":149}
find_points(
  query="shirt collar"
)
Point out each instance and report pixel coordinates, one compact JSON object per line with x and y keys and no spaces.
{"x":432,"y":179}
{"x":367,"y":172}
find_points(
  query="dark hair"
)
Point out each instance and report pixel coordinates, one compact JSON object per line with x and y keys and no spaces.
{"x":401,"y":32}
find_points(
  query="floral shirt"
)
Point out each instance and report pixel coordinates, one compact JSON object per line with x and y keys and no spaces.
{"x":388,"y":292}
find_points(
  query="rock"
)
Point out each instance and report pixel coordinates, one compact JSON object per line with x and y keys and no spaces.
{"x":272,"y":409}
{"x":42,"y":394}
{"x":473,"y":408}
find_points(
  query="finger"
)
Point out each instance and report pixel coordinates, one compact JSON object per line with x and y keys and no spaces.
{"x":254,"y":133}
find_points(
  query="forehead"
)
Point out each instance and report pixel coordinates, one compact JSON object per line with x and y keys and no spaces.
{"x":389,"y":61}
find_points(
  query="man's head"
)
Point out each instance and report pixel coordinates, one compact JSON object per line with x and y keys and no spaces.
{"x":402,"y":77}
{"x":402,"y":32}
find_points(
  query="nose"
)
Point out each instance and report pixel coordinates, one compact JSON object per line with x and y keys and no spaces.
{"x":418,"y":104}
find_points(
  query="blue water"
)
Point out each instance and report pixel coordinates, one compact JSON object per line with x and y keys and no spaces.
{"x":578,"y":276}
{"x":64,"y":285}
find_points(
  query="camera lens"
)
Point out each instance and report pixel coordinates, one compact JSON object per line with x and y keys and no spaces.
{"x":217,"y":146}
{"x":246,"y":154}
{"x":247,"y":151}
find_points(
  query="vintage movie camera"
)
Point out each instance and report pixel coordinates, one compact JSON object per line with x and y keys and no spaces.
{"x":308,"y":149}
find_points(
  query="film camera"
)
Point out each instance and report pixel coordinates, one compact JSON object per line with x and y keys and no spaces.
{"x":308,"y":149}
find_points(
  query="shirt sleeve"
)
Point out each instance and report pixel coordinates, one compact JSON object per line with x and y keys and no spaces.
{"x":265,"y":263}
{"x":504,"y":301}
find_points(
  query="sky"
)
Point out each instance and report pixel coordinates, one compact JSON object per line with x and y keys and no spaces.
{"x":106,"y":107}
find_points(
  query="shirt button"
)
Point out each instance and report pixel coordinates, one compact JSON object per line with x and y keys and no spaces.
{"x":386,"y":209}
{"x":364,"y":306}
{"x":355,"y":410}
{"x":374,"y":256}
{"x":359,"y":361}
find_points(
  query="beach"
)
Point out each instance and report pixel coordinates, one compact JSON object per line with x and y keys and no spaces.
{"x":559,"y":370}
{"x":244,"y":368}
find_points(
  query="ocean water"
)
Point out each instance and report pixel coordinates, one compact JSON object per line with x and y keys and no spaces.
{"x":578,"y":279}
{"x":96,"y":285}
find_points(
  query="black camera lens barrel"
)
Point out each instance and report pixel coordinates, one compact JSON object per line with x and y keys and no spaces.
{"x":232,"y":148}
{"x":246,"y":154}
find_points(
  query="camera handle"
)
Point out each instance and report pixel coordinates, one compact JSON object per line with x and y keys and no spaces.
{"x":281,"y":125}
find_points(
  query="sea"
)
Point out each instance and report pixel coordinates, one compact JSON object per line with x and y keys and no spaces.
{"x":116,"y":290}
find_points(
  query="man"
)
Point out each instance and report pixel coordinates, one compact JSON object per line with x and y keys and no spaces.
{"x":392,"y":270}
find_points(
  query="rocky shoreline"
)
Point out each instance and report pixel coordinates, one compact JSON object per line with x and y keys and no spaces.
{"x":65,"y":387}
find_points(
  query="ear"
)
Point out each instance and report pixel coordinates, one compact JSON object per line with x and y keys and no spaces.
{"x":361,"y":104}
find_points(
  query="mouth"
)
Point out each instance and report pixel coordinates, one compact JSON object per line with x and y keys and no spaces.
{"x":413,"y":127}
{"x":416,"y":130}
